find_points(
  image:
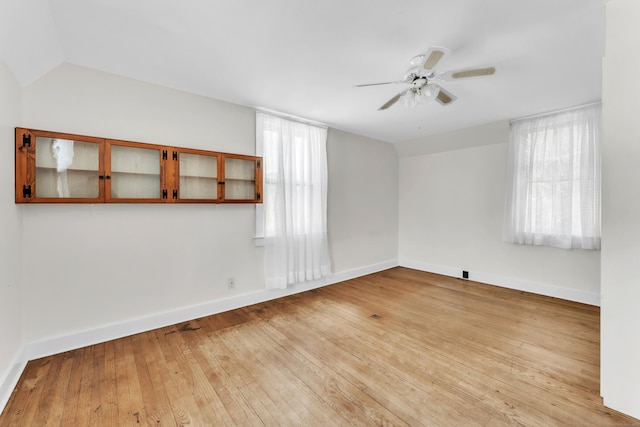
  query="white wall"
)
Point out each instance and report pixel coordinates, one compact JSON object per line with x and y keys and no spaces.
{"x":10,"y":236}
{"x":620,"y":315}
{"x":91,"y":265}
{"x":94,"y":265}
{"x":362,"y":200}
{"x":451,"y":215}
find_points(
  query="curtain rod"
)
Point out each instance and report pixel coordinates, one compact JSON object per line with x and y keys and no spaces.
{"x":563,"y":110}
{"x":292,"y":117}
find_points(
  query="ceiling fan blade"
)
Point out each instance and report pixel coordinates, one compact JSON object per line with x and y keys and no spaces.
{"x":378,"y":84}
{"x":444,"y":96}
{"x":432,"y":57}
{"x":393,"y":100}
{"x":470,"y":72}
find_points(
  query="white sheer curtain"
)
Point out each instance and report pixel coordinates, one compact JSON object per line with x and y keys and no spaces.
{"x":295,"y":200}
{"x":553,"y":182}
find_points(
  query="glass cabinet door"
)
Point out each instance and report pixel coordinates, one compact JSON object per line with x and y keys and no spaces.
{"x":198,"y":176}
{"x":66,"y":168}
{"x":53,"y":167}
{"x":239,"y":179}
{"x":134,"y":172}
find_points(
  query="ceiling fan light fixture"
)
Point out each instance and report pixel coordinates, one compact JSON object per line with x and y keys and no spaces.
{"x":416,"y":60}
{"x":434,"y":90}
{"x":420,"y":95}
{"x":410,"y":99}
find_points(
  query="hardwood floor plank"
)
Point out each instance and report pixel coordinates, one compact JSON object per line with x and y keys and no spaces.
{"x":108,"y":386}
{"x":36,"y":385}
{"x":58,"y":395}
{"x":86,"y":383}
{"x":399,"y":347}
{"x":192,"y":376}
{"x":72,"y":392}
{"x":156,"y":405}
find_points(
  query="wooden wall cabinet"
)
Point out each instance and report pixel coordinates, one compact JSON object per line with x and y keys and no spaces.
{"x":53,"y":167}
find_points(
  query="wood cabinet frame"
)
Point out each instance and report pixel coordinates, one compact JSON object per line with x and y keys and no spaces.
{"x":257,"y":165}
{"x":168,"y":172}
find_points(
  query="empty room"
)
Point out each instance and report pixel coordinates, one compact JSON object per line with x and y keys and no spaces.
{"x":319,"y":213}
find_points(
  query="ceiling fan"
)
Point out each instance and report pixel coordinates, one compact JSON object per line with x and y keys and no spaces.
{"x":424,"y":81}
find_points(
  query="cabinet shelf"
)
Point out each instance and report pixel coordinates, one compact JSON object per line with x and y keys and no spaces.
{"x":141,"y":173}
{"x":198,"y":177}
{"x":240,"y":180}
{"x":71,"y":169}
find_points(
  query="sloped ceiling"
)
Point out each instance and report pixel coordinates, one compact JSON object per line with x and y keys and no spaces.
{"x":303,"y":57}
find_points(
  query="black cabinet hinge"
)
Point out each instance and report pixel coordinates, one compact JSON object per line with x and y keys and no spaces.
{"x":164,"y":193}
{"x":175,"y":194}
{"x":26,"y":191}
{"x":258,"y":196}
{"x":26,"y":140}
{"x":164,"y":154}
{"x":175,"y":155}
{"x":258,"y":163}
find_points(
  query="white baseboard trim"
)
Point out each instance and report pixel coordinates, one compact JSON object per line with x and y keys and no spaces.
{"x":62,"y":343}
{"x":59,"y":344}
{"x":550,"y":290}
{"x":10,"y":378}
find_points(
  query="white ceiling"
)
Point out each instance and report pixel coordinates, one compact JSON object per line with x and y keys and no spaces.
{"x":303,"y":57}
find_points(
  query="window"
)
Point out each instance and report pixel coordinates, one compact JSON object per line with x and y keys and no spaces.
{"x":295,"y":200}
{"x":553,"y":187}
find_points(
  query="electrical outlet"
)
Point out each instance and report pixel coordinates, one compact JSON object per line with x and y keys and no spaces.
{"x":231,"y":282}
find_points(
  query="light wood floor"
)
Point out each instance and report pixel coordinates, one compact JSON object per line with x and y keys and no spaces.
{"x":400,"y":347}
